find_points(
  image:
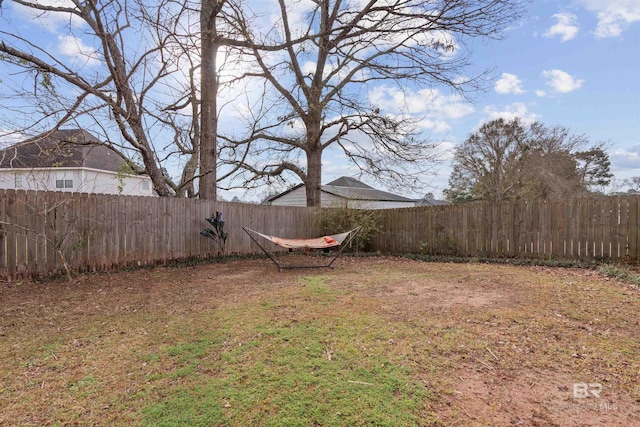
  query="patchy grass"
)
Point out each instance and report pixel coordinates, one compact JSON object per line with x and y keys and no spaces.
{"x":290,"y":363}
{"x":375,"y":342}
{"x":621,"y":273}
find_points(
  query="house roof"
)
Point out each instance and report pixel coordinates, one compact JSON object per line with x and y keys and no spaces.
{"x":61,"y":148}
{"x":431,"y":202}
{"x":352,"y":189}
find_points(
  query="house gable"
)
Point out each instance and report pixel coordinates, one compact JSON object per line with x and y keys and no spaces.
{"x":68,"y":148}
{"x":69,"y":160}
{"x":296,"y":196}
{"x":344,"y":191}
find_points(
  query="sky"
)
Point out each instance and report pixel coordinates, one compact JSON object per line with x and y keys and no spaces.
{"x":570,"y":63}
{"x":574,"y":63}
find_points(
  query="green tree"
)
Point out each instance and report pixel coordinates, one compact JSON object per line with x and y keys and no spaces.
{"x":507,"y":159}
{"x":489,"y":164}
{"x":460,"y":186}
{"x":594,"y":166}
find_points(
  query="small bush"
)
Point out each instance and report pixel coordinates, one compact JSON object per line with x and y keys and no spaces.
{"x":341,"y":219}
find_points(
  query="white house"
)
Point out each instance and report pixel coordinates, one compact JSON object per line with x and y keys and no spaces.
{"x":69,"y":160}
{"x":343,"y":192}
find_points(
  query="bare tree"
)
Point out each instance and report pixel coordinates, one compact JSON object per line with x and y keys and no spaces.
{"x":137,"y":84}
{"x":634,"y":184}
{"x":330,"y":55}
{"x":209,"y":46}
{"x":315,"y":69}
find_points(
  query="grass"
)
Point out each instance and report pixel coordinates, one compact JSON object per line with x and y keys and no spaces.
{"x":621,"y":273}
{"x":272,"y":381}
{"x":289,"y":370}
{"x":375,"y":344}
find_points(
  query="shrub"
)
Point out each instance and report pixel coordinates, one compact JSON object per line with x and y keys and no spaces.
{"x":341,"y":219}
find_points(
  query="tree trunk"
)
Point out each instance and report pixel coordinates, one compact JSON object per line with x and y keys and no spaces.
{"x":151,"y":166}
{"x":208,"y":103}
{"x":314,"y":164}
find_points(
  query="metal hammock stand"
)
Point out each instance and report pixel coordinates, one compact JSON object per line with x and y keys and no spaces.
{"x":324,"y":242}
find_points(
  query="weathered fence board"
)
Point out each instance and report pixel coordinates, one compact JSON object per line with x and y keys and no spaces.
{"x":633,"y":242}
{"x":102,"y":232}
{"x":588,"y":228}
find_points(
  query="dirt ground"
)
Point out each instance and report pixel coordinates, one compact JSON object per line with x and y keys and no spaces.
{"x":512,"y":378}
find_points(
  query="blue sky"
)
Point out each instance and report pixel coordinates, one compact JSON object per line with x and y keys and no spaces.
{"x":574,"y":63}
{"x":571,"y":63}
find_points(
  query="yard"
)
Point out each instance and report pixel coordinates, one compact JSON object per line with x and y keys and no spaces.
{"x":376,"y":341}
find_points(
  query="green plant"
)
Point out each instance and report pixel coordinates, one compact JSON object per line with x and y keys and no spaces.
{"x":620,"y":273}
{"x":424,"y":248}
{"x":124,"y":170}
{"x":441,"y":244}
{"x":216,"y":233}
{"x":339,"y":219}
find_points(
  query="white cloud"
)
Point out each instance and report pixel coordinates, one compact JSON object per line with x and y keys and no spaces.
{"x":517,"y":109}
{"x":10,"y":137}
{"x":430,"y":101}
{"x":50,"y":21}
{"x":565,"y":27}
{"x":626,"y":159}
{"x":446,"y":150}
{"x":75,"y":48}
{"x":614,"y":16}
{"x":336,"y":166}
{"x":561,"y":81}
{"x":435,"y":108}
{"x":541,"y":93}
{"x":438,"y":126}
{"x":509,"y":84}
{"x":308,"y":67}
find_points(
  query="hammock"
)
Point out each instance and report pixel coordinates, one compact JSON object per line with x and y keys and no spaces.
{"x":324,"y":242}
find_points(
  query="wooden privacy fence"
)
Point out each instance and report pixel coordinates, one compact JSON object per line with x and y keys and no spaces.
{"x":41,"y":230}
{"x":587,"y":228}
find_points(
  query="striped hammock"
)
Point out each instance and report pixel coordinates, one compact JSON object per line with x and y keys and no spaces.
{"x":324,"y":242}
{"x":316,"y":243}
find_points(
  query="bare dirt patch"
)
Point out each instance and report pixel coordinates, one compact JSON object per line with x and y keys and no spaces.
{"x":532,"y":399}
{"x":497,"y":345}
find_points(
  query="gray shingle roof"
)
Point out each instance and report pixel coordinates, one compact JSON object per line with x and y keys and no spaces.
{"x":62,"y":148}
{"x":345,"y":181}
{"x":431,"y":202}
{"x":352,"y":189}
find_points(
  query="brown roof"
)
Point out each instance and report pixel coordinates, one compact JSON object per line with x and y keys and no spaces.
{"x":63,"y":148}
